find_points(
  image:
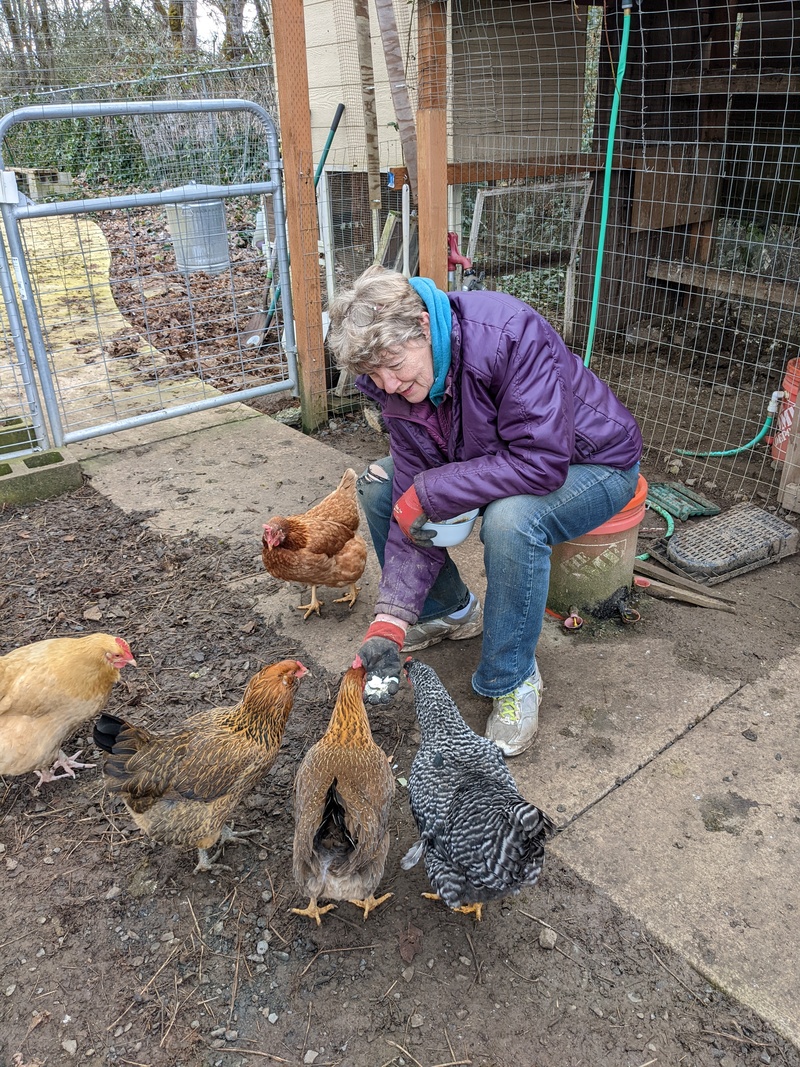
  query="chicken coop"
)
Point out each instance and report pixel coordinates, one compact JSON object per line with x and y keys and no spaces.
{"x":630,"y":171}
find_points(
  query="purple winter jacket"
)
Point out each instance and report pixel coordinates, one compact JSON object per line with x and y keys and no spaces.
{"x":519,"y":409}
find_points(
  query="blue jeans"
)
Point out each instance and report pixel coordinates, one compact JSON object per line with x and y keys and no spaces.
{"x":518,"y":533}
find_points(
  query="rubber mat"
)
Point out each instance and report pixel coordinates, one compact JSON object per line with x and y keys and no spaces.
{"x":739,"y":540}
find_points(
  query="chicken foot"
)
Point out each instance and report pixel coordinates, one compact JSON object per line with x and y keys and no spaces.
{"x":69,"y":764}
{"x":313,"y":912}
{"x":226,"y":837}
{"x":464,"y":909}
{"x":349,"y":598}
{"x":370,"y":903}
{"x":315,"y":604}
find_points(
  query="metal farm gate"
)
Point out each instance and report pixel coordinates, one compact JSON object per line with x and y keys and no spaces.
{"x":166,"y":298}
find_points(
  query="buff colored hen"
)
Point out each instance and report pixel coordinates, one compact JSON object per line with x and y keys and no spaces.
{"x":343,"y":795}
{"x":181,"y":785}
{"x":47,"y":689}
{"x":320,"y":547}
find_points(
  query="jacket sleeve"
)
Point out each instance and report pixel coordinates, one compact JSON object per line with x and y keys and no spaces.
{"x":409,"y":571}
{"x":528,"y":385}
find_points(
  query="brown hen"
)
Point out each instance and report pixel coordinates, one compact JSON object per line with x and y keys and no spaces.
{"x":320,"y":547}
{"x":47,"y":689}
{"x":342,"y":799}
{"x":182,"y":784}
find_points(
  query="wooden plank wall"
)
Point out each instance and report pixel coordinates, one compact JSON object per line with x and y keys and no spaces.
{"x":517,"y":79}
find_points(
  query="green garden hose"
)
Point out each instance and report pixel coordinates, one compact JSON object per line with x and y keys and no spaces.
{"x":612,"y":126}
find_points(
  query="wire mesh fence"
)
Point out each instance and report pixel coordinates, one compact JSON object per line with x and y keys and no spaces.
{"x":695,"y":302}
{"x":154,"y":306}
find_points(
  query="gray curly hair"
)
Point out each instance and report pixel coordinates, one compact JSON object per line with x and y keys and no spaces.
{"x":380,"y":313}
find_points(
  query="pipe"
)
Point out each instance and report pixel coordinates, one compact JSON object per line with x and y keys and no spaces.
{"x":317,"y":174}
{"x":772,"y":410}
{"x":406,"y":220}
{"x":612,"y":126}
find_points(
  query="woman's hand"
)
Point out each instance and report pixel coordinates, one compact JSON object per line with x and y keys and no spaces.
{"x":410,"y":517}
{"x":380,"y":657}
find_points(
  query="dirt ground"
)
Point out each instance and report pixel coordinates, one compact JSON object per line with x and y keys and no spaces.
{"x":113,"y":952}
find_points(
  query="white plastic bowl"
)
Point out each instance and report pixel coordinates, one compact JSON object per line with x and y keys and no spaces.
{"x":452,"y":531}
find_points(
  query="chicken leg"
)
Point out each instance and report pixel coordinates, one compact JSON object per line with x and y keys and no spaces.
{"x":464,"y":909}
{"x":69,"y":764}
{"x":226,"y":837}
{"x":315,"y":604}
{"x":313,"y":912}
{"x":349,"y":598}
{"x":370,"y":903}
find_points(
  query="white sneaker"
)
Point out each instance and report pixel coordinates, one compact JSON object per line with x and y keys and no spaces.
{"x":424,"y":634}
{"x":515,"y":717}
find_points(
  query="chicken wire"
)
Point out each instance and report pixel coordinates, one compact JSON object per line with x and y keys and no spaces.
{"x":141,"y":313}
{"x":697,"y":310}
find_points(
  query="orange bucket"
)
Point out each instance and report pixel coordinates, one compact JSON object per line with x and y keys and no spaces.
{"x":783,"y":424}
{"x":586,"y":571}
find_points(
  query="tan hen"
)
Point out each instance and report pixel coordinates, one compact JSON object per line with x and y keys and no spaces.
{"x":342,"y":799}
{"x":182,"y":784}
{"x":47,"y":689}
{"x":319,"y":547}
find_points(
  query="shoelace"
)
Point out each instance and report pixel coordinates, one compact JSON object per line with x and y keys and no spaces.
{"x":508,"y":709}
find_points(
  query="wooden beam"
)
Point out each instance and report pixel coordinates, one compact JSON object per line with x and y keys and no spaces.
{"x":289,"y":42}
{"x":432,"y":139}
{"x":568,"y":164}
{"x":728,"y":282}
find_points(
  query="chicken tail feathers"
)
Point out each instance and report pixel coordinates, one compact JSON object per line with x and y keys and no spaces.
{"x":106,"y":730}
{"x":413,"y":856}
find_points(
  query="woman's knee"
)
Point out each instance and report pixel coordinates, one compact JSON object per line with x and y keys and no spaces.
{"x":510,"y":521}
{"x":374,"y":485}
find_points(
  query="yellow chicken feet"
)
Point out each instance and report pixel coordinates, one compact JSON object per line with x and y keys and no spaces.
{"x":349,"y":598}
{"x":465,"y":909}
{"x":370,"y":904}
{"x":315,"y":604}
{"x":313,"y":912}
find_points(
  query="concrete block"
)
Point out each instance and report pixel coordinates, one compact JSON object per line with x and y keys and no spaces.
{"x":38,"y":476}
{"x":15,"y":435}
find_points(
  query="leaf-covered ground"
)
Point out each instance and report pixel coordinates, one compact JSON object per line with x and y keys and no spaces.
{"x":113,"y":952}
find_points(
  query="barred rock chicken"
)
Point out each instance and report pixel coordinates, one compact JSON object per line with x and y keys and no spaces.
{"x":181,"y":785}
{"x":49,"y":688}
{"x":342,"y":798}
{"x":320,"y":547}
{"x":479,"y":838}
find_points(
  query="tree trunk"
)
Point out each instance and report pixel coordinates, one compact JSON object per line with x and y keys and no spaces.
{"x":190,"y":26}
{"x":233,"y":41}
{"x":176,"y":24}
{"x":17,"y":44}
{"x":393,"y":54}
{"x":361,"y":12}
{"x":262,"y":17}
{"x":44,"y":43}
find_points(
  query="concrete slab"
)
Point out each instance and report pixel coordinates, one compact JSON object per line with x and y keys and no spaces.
{"x":702,"y":845}
{"x":685,"y":822}
{"x":225,"y":480}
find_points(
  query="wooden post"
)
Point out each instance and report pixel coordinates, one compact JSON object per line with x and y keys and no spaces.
{"x":289,"y":42}
{"x":432,"y":139}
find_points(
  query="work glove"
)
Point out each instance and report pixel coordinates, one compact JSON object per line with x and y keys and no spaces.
{"x":410,"y":517}
{"x":380,"y":658}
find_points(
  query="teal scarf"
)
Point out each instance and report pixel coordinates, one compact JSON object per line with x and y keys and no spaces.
{"x":438,"y":307}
